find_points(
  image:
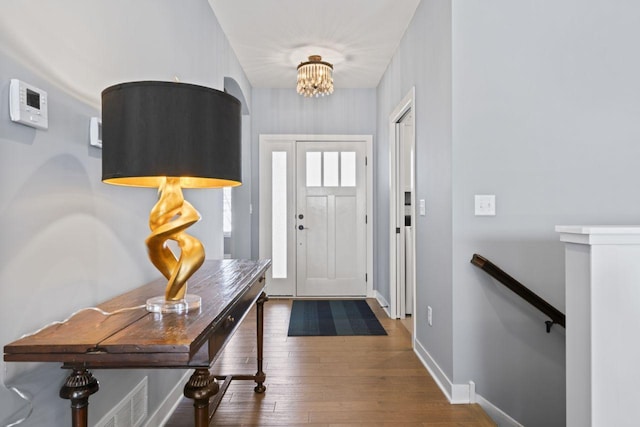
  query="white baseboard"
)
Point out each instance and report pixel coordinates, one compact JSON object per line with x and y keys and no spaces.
{"x":384,"y":304}
{"x":461,"y":393}
{"x":456,"y":393}
{"x":496,"y":414}
{"x":169,"y":404}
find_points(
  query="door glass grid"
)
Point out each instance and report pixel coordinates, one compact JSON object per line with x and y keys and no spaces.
{"x":331,"y":169}
{"x":348,"y":169}
{"x":314,"y":169}
{"x":331,"y":176}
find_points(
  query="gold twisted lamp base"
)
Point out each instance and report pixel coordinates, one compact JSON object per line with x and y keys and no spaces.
{"x":168,"y":219}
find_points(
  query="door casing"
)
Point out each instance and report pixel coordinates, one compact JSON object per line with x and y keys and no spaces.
{"x":395,"y":218}
{"x":269,"y":143}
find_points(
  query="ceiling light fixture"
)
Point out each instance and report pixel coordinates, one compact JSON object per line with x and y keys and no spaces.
{"x":315,"y":77}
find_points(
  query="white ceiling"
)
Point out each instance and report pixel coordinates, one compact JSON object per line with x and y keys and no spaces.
{"x":271,"y":37}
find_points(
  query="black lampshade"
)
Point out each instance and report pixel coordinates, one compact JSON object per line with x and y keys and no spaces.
{"x":152,"y":130}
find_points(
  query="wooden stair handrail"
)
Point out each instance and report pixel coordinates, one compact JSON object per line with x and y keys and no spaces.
{"x":557,"y":317}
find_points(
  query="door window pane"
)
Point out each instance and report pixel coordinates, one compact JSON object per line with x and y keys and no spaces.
{"x":331,"y":177}
{"x":348,"y":169}
{"x":226,"y":211}
{"x":314,"y":169}
{"x":279,"y":214}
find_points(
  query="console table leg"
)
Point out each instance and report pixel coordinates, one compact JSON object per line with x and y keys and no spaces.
{"x":260,"y":375}
{"x":201,"y":386}
{"x":80,"y":384}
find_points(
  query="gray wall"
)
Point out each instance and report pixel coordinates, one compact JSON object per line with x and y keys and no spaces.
{"x":423,"y":60}
{"x":541,"y":110}
{"x":238,"y":245}
{"x":546,"y":100}
{"x":240,"y":240}
{"x":283,"y":111}
{"x":70,"y":241}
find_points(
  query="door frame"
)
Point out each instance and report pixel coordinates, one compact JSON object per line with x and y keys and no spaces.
{"x":265,"y":139}
{"x":407,"y":104}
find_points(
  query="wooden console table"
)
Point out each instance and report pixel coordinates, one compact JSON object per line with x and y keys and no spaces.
{"x":139,"y":339}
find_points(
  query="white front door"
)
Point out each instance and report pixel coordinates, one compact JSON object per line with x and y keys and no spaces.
{"x":331,"y":219}
{"x":313,"y":215}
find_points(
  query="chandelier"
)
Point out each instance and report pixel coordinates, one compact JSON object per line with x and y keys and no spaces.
{"x":315,"y":77}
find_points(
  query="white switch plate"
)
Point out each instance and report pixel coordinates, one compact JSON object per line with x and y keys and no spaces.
{"x":423,"y":208}
{"x":95,"y":132}
{"x":485,"y":204}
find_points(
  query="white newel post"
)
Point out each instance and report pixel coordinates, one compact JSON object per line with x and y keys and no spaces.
{"x":603,"y":324}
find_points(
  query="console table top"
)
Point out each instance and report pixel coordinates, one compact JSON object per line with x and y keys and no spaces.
{"x":164,"y":340}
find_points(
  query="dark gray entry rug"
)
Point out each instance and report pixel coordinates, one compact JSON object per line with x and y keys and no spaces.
{"x":333,"y":318}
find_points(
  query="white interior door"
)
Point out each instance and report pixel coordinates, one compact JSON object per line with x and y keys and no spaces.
{"x":331,"y":218}
{"x":403,"y":196}
{"x":405,"y":191}
{"x":402,"y":209}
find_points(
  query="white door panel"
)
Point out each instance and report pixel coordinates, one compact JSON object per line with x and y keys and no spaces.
{"x":331,"y":207}
{"x":346,"y":237}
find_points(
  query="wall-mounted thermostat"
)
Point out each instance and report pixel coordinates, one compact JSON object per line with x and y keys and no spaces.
{"x":28,"y":105}
{"x":95,"y":132}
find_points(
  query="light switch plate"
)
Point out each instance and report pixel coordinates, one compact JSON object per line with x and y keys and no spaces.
{"x":95,"y":132}
{"x":485,"y":205}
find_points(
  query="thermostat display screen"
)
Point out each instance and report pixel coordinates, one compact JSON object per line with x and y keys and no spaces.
{"x":28,"y":105}
{"x":33,"y":99}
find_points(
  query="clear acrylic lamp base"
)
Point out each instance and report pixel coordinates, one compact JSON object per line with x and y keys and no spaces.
{"x":161,"y":305}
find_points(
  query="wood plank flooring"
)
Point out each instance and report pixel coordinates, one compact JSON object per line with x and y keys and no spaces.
{"x":330,"y":381}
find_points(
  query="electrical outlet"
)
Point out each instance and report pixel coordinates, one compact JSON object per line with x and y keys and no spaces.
{"x":429,"y":315}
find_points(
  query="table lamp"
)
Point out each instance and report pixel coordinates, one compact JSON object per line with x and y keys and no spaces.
{"x":171,"y":136}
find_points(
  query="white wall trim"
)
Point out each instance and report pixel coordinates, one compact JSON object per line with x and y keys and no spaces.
{"x":455,"y":393}
{"x":496,"y":414}
{"x":169,"y":404}
{"x":461,"y":393}
{"x":384,"y":304}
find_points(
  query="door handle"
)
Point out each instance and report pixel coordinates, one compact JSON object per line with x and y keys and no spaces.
{"x":301,"y":227}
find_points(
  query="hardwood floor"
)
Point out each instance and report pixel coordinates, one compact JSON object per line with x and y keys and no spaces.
{"x":330,"y":381}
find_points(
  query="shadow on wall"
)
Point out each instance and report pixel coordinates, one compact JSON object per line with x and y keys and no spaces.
{"x":52,"y":263}
{"x":39,"y":384}
{"x":233,"y":88}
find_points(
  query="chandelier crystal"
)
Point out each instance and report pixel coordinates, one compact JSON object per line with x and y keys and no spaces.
{"x":315,"y":77}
